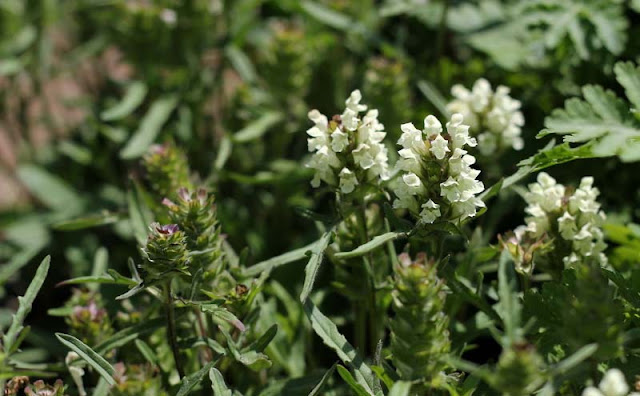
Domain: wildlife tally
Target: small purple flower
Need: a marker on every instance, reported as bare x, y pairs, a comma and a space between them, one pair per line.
167, 229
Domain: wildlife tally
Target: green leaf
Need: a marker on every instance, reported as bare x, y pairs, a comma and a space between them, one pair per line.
355, 386
224, 152
509, 303
9, 339
434, 96
241, 63
191, 381
89, 355
370, 246
217, 383
129, 334
50, 189
257, 128
327, 16
602, 118
150, 127
328, 332
17, 261
461, 290
261, 343
311, 270
252, 359
275, 262
139, 215
572, 361
628, 75
323, 381
89, 221
133, 97
400, 388
221, 315
147, 352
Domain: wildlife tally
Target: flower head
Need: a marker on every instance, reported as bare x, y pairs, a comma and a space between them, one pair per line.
438, 180
347, 151
493, 116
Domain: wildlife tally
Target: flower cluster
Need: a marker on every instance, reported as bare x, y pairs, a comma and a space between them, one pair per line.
437, 180
494, 117
574, 218
612, 384
348, 150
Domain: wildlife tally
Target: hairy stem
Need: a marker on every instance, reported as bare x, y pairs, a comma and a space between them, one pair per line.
171, 327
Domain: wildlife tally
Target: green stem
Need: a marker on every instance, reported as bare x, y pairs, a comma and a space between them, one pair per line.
171, 327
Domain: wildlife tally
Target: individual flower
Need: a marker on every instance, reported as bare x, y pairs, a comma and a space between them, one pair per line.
437, 180
573, 220
348, 150
612, 384
493, 116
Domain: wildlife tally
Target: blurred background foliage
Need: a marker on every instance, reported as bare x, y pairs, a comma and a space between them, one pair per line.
87, 86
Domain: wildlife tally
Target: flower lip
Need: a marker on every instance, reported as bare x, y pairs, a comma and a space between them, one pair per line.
167, 229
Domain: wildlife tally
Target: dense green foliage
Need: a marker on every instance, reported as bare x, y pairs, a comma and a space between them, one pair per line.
176, 217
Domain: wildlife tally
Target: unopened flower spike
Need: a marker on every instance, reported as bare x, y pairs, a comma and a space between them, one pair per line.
347, 151
436, 181
494, 117
165, 253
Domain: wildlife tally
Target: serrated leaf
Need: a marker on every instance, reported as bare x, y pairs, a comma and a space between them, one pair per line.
191, 381
150, 127
89, 355
602, 118
313, 265
217, 383
370, 246
133, 97
9, 339
628, 75
328, 332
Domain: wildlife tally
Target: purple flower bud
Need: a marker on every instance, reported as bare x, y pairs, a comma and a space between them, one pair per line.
168, 203
202, 196
184, 194
159, 149
167, 229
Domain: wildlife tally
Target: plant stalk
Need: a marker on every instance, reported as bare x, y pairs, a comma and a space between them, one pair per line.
171, 328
